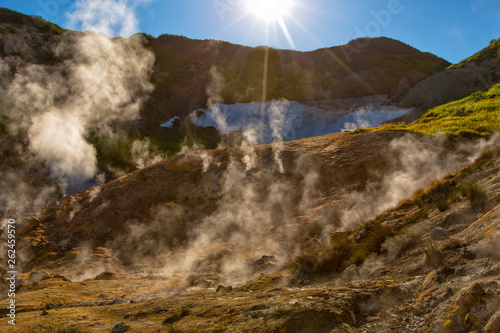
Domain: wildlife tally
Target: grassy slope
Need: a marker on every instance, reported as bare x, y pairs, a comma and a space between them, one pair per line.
487, 54
475, 116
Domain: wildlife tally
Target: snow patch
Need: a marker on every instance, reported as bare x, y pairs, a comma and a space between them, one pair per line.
170, 122
284, 121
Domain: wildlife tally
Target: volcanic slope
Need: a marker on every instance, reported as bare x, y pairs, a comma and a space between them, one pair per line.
430, 264
246, 193
148, 249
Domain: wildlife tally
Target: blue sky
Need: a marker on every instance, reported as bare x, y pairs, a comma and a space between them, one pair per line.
452, 29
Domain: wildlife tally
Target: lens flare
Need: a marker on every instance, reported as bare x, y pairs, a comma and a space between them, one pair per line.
269, 10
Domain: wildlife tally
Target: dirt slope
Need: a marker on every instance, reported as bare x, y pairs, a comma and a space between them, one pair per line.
169, 200
438, 273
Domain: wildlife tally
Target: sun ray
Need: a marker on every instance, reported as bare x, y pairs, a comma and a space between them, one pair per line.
234, 22
283, 26
343, 64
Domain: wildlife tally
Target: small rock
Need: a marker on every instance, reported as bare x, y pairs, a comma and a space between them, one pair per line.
439, 233
417, 310
470, 297
466, 299
429, 280
27, 225
222, 288
265, 263
109, 276
50, 306
58, 276
44, 313
472, 320
38, 276
120, 328
493, 324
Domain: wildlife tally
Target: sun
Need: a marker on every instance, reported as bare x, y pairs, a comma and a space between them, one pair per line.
269, 10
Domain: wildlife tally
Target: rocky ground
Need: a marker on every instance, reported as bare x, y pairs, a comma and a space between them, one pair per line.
438, 272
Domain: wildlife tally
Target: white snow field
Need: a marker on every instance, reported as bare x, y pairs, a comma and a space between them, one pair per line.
284, 121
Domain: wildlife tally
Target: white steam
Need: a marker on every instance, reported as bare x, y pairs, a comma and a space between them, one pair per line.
102, 84
144, 154
71, 159
259, 211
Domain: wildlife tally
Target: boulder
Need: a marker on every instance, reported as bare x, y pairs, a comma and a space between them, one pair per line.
439, 233
222, 289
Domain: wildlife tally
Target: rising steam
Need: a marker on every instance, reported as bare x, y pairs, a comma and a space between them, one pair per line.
102, 84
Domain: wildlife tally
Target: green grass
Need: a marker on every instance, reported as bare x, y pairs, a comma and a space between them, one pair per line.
417, 217
477, 115
477, 196
116, 153
19, 19
46, 26
489, 53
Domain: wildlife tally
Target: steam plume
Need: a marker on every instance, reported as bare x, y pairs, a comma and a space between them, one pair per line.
103, 83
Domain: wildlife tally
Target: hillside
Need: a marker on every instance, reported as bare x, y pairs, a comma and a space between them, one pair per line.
184, 68
131, 256
474, 116
43, 79
476, 73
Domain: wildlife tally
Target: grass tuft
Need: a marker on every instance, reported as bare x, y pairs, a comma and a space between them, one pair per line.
476, 195
176, 316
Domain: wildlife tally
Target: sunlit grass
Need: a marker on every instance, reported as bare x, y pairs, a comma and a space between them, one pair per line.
475, 116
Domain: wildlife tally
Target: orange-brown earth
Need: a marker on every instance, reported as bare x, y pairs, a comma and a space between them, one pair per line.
438, 271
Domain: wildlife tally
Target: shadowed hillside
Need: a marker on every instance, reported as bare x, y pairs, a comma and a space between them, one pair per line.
183, 71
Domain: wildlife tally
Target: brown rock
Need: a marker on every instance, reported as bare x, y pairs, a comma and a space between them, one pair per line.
27, 225
109, 276
493, 325
38, 276
469, 298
